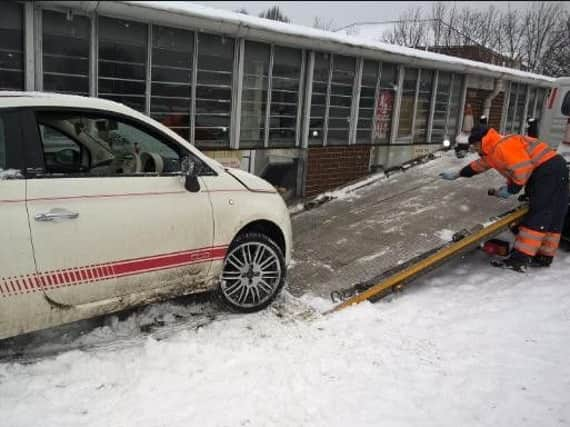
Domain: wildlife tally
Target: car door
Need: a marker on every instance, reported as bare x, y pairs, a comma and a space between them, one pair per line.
109, 213
16, 258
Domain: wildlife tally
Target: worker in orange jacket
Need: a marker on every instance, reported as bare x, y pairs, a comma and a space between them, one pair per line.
524, 161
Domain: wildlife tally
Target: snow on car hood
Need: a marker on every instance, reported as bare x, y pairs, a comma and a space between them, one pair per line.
250, 181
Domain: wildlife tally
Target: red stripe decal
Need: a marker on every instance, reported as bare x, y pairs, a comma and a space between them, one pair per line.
104, 196
93, 273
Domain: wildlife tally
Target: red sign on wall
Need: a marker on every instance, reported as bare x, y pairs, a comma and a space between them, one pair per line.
384, 106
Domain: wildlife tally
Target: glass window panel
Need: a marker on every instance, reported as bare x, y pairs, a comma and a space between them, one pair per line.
519, 111
59, 65
170, 89
67, 84
172, 47
213, 90
11, 46
441, 106
423, 106
171, 76
321, 68
216, 53
454, 106
541, 93
407, 102
254, 94
511, 108
341, 99
285, 81
122, 55
389, 77
286, 62
65, 48
136, 102
2, 145
110, 70
337, 136
366, 104
123, 87
216, 93
213, 106
385, 104
318, 98
280, 97
531, 99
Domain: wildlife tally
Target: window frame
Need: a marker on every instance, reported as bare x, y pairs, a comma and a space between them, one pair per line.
37, 167
16, 153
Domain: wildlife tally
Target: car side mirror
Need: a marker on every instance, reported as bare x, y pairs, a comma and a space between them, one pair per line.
189, 170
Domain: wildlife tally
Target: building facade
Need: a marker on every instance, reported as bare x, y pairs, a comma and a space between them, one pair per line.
305, 109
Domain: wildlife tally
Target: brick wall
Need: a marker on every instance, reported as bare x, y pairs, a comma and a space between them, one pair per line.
476, 97
330, 167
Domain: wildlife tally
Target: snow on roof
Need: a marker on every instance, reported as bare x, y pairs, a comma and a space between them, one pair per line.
200, 11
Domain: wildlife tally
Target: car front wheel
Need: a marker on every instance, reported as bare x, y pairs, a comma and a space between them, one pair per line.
254, 273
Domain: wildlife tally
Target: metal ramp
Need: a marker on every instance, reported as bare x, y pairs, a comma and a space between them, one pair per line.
466, 240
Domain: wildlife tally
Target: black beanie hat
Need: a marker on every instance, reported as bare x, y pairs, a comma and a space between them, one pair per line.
477, 134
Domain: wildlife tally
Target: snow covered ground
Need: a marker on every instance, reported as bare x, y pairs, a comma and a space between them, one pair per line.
467, 346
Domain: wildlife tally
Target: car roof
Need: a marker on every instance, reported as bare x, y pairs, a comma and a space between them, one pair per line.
12, 99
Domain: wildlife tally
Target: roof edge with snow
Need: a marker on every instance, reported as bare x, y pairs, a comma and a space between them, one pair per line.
202, 18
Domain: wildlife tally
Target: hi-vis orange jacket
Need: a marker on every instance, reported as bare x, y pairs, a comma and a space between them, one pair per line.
513, 156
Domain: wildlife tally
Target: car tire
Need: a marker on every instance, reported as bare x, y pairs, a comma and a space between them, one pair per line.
254, 273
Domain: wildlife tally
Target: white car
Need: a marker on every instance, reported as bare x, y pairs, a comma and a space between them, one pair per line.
103, 208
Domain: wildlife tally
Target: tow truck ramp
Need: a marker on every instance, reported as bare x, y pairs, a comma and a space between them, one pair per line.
395, 278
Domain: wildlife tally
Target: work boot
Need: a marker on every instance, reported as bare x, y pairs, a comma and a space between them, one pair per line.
516, 261
541, 261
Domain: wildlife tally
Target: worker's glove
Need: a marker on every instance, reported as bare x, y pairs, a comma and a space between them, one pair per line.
503, 192
449, 175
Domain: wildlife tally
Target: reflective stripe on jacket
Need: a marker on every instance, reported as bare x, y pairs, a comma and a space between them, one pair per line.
513, 156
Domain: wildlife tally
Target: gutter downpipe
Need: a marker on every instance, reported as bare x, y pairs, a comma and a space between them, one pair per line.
497, 88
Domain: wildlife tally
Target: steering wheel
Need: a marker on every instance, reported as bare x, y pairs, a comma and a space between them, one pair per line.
151, 162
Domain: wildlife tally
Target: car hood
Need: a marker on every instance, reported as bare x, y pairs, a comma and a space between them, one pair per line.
250, 181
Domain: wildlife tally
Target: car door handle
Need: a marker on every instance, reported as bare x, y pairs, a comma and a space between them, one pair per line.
55, 214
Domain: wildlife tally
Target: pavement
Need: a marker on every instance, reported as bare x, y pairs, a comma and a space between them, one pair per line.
362, 233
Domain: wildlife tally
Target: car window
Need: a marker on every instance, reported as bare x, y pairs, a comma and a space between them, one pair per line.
2, 145
566, 104
61, 153
103, 146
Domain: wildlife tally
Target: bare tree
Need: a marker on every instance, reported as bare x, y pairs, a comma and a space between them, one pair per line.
509, 36
439, 15
410, 30
537, 39
542, 32
556, 59
323, 24
274, 13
